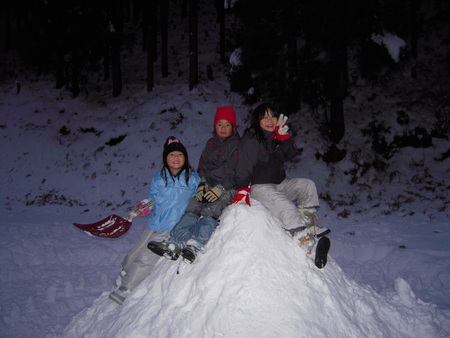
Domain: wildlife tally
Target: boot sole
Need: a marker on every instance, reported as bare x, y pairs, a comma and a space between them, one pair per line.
167, 253
188, 256
116, 298
323, 246
326, 232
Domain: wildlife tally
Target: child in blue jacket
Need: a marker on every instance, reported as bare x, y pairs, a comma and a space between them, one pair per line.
171, 189
216, 191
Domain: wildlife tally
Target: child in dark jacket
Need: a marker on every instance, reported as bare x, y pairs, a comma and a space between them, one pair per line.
215, 192
171, 189
263, 150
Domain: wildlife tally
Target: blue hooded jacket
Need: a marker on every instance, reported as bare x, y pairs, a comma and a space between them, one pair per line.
171, 199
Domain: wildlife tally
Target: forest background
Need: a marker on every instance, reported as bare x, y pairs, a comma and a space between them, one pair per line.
294, 53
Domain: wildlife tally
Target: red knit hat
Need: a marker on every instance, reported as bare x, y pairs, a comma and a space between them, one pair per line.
225, 113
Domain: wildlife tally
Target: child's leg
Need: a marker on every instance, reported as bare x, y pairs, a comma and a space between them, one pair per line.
134, 251
279, 205
204, 229
215, 209
194, 206
183, 229
300, 190
303, 193
144, 261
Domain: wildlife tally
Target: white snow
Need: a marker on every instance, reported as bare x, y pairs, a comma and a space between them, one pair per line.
392, 42
254, 281
388, 273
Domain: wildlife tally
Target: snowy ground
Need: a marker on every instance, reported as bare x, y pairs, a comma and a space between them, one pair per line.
70, 160
53, 274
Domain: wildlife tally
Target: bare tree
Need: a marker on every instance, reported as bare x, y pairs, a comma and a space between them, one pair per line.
152, 28
164, 14
221, 20
8, 32
193, 44
338, 69
116, 42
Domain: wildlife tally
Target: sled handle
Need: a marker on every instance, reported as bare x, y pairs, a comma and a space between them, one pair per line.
138, 211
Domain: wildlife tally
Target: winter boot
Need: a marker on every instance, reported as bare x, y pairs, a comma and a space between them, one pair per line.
307, 243
120, 294
312, 221
189, 254
323, 246
297, 232
119, 278
165, 249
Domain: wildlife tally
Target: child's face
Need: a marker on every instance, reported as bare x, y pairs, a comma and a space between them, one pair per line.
268, 122
223, 128
175, 161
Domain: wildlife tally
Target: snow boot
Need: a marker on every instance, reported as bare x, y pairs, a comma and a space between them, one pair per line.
119, 278
119, 295
189, 254
165, 249
302, 231
307, 242
294, 232
312, 221
323, 246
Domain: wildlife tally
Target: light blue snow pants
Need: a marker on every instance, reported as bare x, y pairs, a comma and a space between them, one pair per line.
284, 200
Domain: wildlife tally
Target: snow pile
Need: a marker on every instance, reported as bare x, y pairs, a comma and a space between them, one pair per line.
254, 281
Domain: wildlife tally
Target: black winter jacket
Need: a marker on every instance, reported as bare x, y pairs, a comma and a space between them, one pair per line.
217, 163
259, 163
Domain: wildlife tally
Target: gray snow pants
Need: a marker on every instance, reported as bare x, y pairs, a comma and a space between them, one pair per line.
285, 200
140, 261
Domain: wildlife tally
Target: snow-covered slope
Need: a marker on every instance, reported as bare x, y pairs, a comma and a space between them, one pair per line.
70, 160
254, 281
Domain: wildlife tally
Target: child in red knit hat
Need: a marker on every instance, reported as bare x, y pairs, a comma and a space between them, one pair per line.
215, 192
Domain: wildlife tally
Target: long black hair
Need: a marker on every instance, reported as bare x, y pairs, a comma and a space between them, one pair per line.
257, 115
173, 144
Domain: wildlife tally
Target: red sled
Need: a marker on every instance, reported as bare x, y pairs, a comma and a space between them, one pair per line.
112, 226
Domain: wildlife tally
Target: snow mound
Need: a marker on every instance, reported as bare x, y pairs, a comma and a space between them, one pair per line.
249, 266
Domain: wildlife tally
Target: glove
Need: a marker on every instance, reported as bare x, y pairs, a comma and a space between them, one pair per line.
144, 212
280, 132
202, 188
213, 194
242, 196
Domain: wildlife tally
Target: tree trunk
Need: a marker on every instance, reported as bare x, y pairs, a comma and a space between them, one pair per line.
59, 74
75, 74
106, 59
116, 42
164, 14
289, 26
151, 43
193, 44
338, 70
221, 21
8, 31
413, 35
137, 6
184, 9
146, 9
115, 63
150, 71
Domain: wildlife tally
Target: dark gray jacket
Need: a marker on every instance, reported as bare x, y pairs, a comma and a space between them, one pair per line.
260, 163
217, 163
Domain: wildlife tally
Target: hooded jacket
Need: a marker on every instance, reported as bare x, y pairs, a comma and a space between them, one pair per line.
171, 199
260, 163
